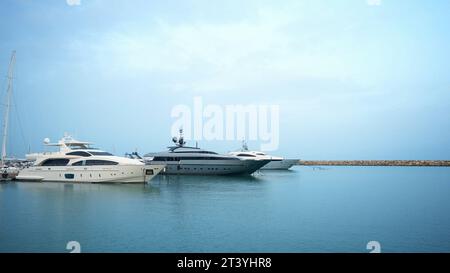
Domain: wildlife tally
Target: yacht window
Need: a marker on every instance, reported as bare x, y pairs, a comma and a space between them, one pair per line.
100, 153
100, 162
163, 158
260, 153
196, 152
247, 155
209, 158
55, 162
78, 163
79, 153
77, 146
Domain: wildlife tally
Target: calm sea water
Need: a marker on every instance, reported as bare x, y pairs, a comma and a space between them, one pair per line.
337, 209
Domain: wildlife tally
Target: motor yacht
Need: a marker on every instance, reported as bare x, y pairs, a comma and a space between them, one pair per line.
276, 162
77, 161
181, 159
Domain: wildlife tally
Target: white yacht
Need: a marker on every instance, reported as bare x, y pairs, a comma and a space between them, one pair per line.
276, 162
76, 161
181, 159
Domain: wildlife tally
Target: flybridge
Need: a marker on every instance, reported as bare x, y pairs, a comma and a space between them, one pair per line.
67, 140
69, 143
65, 144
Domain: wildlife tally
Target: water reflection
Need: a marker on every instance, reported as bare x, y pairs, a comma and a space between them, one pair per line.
78, 187
340, 209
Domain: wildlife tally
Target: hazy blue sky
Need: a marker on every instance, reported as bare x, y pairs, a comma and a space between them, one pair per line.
353, 80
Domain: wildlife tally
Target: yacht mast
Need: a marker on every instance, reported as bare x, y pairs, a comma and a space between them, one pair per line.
8, 106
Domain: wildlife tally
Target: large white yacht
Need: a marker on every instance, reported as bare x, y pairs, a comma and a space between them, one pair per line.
180, 159
276, 162
77, 161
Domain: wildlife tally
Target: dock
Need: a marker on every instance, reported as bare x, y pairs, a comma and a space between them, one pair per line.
409, 163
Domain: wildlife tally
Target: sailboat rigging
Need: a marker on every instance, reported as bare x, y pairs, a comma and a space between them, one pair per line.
8, 172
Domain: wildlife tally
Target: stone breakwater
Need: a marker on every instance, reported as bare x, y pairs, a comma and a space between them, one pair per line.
412, 163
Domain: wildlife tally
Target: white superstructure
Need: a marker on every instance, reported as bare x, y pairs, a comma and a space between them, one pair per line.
76, 161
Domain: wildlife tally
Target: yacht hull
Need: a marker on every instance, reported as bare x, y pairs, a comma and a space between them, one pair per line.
284, 164
210, 167
91, 174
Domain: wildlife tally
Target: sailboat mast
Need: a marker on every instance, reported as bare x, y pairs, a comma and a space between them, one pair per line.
8, 105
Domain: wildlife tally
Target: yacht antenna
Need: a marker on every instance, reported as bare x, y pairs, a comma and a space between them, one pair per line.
244, 146
181, 141
8, 105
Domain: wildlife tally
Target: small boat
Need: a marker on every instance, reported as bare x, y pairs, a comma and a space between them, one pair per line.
276, 162
181, 159
77, 161
8, 173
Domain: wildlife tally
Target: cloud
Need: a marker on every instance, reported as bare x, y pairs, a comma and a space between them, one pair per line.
73, 2
287, 50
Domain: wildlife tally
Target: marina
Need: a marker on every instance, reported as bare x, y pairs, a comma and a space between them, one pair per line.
77, 162
233, 129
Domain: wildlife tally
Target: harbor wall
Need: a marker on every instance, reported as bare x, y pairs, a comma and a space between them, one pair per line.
412, 163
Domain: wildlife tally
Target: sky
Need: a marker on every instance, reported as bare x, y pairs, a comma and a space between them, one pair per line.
355, 79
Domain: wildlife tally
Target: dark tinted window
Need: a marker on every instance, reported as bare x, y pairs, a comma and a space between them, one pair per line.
100, 162
226, 158
79, 153
209, 158
163, 158
100, 153
196, 152
55, 162
247, 155
78, 163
